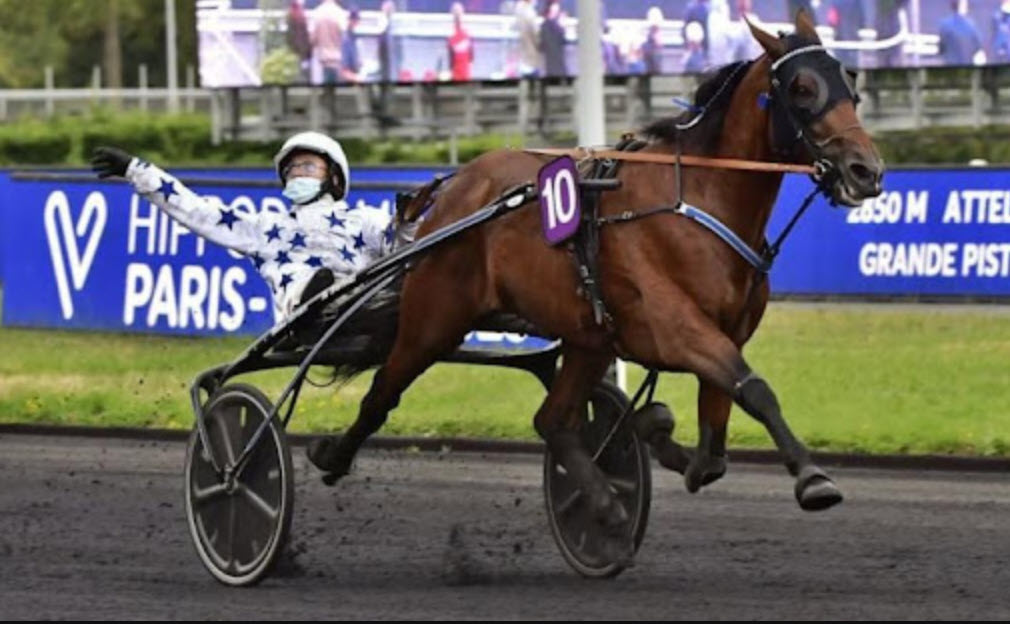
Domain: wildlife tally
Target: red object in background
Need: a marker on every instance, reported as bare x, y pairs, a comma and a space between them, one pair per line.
834, 18
460, 54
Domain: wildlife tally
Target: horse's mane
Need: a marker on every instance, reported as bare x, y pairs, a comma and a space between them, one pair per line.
713, 97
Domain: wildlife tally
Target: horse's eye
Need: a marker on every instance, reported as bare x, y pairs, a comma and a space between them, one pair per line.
804, 93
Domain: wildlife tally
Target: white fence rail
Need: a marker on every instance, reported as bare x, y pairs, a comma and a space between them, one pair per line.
15, 103
892, 100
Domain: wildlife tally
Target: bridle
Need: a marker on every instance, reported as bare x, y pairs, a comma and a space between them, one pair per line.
791, 123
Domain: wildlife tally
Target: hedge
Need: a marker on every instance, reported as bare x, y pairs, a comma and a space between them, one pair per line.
184, 139
940, 146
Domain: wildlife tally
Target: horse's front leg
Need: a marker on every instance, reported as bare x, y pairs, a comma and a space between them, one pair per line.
697, 345
655, 425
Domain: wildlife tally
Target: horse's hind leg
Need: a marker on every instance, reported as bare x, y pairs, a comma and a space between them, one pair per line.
558, 421
708, 464
419, 344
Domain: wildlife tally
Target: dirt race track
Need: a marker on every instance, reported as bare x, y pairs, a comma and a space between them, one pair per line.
93, 529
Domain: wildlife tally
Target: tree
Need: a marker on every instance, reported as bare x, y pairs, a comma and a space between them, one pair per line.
72, 36
29, 40
113, 49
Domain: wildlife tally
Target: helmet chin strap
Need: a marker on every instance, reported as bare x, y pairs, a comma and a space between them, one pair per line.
335, 190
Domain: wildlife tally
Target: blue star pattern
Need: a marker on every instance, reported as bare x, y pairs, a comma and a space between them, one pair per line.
167, 188
359, 241
389, 234
286, 248
228, 218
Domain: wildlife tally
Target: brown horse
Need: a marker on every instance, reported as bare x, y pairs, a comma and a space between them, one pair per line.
680, 298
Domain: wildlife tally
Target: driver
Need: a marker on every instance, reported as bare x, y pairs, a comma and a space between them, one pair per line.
299, 253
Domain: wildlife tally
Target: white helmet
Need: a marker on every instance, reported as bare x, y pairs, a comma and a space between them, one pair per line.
320, 144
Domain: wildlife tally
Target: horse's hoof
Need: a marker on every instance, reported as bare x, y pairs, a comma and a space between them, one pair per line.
330, 478
320, 452
614, 515
325, 455
654, 424
618, 550
716, 470
815, 491
654, 419
702, 471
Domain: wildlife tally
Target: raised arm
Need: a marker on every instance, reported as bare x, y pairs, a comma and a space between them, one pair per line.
205, 216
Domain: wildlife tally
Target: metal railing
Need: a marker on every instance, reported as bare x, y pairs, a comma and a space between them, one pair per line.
16, 103
892, 99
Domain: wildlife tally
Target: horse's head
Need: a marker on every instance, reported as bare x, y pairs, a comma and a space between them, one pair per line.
813, 106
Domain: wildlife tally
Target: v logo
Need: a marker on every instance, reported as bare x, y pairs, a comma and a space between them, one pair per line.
61, 232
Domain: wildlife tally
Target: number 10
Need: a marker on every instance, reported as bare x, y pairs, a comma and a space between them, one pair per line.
560, 207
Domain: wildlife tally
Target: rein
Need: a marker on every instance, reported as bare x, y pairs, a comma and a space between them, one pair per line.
762, 261
590, 153
822, 171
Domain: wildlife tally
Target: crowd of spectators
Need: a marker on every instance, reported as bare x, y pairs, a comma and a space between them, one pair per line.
715, 32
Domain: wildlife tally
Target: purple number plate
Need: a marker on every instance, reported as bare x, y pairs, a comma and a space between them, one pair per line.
560, 205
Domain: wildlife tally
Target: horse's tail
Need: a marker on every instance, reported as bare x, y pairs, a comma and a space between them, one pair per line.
366, 339
413, 205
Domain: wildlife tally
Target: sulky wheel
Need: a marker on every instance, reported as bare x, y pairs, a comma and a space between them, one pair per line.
625, 461
239, 526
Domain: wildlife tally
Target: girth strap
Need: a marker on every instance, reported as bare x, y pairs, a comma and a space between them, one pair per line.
585, 246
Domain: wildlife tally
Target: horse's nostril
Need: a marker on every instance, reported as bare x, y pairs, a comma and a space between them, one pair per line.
862, 173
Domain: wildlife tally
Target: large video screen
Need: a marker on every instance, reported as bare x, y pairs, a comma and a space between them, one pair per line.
259, 42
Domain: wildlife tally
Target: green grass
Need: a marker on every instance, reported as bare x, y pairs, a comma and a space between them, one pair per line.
878, 379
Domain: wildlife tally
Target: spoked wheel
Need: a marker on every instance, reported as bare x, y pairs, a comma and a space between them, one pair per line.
625, 461
239, 525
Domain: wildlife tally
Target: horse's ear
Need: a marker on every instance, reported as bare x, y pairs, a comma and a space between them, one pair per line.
805, 26
774, 46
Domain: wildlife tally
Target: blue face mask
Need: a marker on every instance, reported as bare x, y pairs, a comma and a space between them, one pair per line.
302, 190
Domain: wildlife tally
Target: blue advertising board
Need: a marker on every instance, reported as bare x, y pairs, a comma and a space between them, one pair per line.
932, 233
84, 254
89, 255
10, 200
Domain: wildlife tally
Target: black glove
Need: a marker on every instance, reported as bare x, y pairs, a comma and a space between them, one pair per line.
110, 161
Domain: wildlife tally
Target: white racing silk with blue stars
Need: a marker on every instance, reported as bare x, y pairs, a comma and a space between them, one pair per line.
286, 249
